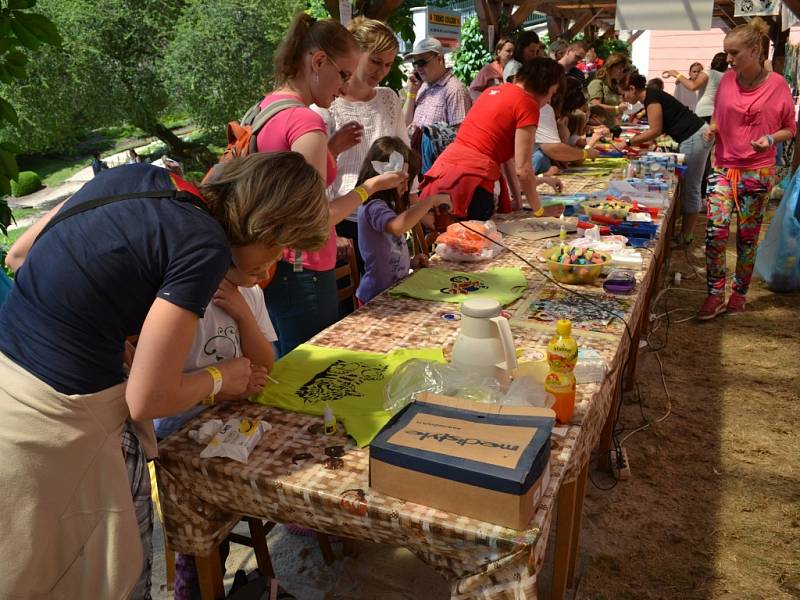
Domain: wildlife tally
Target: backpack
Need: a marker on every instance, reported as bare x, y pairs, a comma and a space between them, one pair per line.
242, 136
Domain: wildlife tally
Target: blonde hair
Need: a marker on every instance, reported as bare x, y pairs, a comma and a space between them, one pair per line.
754, 33
306, 34
617, 58
270, 198
373, 36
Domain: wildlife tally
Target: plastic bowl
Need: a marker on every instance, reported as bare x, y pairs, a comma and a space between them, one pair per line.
574, 273
595, 208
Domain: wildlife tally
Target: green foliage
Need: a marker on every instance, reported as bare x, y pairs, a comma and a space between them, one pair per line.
27, 182
471, 55
20, 31
220, 61
608, 46
317, 9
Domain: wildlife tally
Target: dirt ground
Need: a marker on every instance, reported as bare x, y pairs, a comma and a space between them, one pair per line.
712, 509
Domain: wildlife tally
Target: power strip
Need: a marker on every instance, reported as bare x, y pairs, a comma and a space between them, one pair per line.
621, 468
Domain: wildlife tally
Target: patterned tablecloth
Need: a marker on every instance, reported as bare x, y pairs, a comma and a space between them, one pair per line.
286, 478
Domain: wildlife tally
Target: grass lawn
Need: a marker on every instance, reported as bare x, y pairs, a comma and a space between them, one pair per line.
13, 235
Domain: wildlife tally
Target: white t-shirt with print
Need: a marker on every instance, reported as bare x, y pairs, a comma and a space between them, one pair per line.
217, 339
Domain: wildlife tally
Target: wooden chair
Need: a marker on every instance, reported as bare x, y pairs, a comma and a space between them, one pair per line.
348, 270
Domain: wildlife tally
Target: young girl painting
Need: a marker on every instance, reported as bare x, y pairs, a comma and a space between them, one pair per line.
385, 217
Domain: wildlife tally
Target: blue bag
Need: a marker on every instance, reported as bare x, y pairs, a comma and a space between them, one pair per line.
778, 256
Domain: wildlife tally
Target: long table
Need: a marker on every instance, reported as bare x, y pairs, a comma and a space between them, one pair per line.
286, 478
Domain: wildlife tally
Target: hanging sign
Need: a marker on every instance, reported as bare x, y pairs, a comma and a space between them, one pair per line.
757, 8
445, 26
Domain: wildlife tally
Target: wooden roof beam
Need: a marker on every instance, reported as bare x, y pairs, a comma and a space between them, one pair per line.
581, 22
524, 10
635, 36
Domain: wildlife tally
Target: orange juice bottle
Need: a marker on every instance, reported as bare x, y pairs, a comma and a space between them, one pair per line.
562, 355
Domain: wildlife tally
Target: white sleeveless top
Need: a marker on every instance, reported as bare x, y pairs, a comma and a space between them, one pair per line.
706, 96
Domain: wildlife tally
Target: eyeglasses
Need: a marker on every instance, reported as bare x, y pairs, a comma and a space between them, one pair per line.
344, 75
419, 63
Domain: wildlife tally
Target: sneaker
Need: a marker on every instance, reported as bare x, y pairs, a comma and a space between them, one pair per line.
736, 304
713, 306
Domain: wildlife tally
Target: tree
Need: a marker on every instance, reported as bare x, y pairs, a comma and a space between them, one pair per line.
18, 29
471, 55
219, 61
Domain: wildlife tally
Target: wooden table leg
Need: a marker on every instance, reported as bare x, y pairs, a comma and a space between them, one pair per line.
570, 506
209, 573
576, 529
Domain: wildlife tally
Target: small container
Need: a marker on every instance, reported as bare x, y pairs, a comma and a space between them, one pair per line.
329, 420
620, 281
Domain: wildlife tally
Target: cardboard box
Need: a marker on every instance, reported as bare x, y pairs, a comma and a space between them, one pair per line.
483, 461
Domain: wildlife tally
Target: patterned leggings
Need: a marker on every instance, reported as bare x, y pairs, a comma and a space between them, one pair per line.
752, 195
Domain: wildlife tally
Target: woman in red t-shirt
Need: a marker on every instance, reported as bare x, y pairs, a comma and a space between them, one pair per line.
500, 126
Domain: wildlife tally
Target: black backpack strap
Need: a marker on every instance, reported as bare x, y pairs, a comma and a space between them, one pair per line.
104, 200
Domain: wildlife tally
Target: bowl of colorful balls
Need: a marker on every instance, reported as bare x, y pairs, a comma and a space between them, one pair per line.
608, 207
576, 265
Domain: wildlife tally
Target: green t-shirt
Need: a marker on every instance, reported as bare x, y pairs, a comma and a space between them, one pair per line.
600, 90
503, 284
351, 382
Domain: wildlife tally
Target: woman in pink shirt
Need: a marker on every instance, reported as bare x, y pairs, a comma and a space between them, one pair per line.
492, 74
753, 111
313, 65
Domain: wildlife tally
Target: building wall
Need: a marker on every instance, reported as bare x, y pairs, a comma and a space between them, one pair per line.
679, 49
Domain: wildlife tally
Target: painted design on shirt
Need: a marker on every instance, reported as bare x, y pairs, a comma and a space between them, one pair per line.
341, 379
461, 284
224, 344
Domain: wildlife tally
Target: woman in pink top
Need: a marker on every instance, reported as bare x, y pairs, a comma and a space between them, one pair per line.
492, 74
752, 112
313, 65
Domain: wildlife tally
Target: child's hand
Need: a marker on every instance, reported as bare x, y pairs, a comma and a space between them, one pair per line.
228, 298
235, 375
258, 378
387, 181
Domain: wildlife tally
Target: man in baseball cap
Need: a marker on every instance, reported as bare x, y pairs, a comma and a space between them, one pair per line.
433, 94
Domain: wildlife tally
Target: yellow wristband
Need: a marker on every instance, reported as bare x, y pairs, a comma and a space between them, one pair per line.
362, 193
585, 154
216, 375
539, 212
679, 76
411, 95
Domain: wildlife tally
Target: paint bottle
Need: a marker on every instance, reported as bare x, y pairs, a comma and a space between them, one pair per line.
329, 420
562, 356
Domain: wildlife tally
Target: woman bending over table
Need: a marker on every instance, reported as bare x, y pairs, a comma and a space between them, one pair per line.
139, 251
313, 65
500, 126
753, 111
666, 115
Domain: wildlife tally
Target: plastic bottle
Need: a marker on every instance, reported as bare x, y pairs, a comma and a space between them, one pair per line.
562, 355
329, 420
